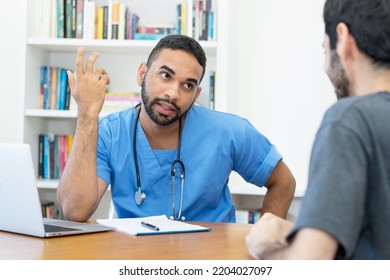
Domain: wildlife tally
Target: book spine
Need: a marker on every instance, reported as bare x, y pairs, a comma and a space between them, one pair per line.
43, 87
128, 24
53, 92
51, 156
183, 18
105, 22
74, 18
68, 95
63, 89
178, 24
47, 95
109, 20
56, 157
58, 89
46, 157
134, 25
212, 90
60, 19
147, 36
115, 20
79, 18
40, 156
68, 19
122, 22
99, 23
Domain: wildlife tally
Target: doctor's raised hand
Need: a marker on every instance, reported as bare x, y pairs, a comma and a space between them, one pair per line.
80, 190
88, 86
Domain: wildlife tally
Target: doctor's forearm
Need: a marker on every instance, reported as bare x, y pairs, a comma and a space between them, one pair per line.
278, 199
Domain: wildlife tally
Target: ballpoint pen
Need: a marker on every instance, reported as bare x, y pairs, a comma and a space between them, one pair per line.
149, 226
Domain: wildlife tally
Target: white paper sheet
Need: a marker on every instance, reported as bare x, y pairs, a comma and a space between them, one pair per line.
133, 225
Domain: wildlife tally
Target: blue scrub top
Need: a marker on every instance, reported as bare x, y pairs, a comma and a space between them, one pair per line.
213, 144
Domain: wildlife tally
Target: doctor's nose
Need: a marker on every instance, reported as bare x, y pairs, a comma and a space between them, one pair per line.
173, 91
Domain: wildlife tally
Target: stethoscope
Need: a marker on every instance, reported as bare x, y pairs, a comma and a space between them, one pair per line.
140, 196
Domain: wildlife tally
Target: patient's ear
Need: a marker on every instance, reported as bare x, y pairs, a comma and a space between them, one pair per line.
346, 44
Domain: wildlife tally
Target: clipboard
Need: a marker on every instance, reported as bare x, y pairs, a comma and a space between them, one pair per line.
133, 226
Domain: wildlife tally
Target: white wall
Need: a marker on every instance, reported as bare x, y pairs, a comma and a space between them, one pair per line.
12, 51
276, 76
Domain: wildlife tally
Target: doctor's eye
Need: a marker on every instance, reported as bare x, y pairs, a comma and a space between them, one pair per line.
165, 75
189, 86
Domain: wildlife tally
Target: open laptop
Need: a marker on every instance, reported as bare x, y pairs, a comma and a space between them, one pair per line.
20, 208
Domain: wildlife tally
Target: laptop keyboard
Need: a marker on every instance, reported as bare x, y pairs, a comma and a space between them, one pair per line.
52, 228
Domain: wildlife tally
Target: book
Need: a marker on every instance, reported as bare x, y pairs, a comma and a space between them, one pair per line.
147, 36
47, 92
133, 225
53, 153
43, 87
79, 18
68, 18
183, 20
115, 20
46, 157
40, 156
120, 101
73, 19
60, 19
99, 22
212, 90
42, 16
89, 18
63, 86
178, 20
53, 92
248, 216
122, 22
105, 22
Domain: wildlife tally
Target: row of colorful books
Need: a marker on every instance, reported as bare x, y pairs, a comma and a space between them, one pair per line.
203, 16
50, 210
248, 216
53, 152
207, 96
120, 101
54, 89
85, 19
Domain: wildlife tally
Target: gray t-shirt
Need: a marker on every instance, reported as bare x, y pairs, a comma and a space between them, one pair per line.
348, 193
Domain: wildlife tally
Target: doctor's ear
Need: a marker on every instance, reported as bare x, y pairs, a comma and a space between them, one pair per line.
142, 69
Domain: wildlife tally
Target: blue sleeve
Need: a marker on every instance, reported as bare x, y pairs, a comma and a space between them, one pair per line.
103, 148
255, 157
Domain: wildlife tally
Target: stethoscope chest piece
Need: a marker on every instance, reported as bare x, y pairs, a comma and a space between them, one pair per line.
139, 197
182, 218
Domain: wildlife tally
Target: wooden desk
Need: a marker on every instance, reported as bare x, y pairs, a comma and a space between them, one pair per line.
223, 242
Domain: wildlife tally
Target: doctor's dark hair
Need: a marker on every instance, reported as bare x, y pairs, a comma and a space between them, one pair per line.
368, 22
179, 42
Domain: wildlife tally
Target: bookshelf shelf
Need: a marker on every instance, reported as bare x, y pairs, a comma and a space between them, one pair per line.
252, 190
50, 113
105, 46
47, 184
66, 114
